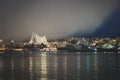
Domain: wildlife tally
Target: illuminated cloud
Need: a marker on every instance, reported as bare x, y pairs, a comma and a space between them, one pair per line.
53, 18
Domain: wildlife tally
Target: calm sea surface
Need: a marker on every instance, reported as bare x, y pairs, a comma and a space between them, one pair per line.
59, 66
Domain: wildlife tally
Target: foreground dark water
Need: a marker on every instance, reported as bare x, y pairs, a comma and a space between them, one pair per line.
60, 66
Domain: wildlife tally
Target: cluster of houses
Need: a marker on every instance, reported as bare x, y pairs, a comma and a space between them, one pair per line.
91, 44
38, 43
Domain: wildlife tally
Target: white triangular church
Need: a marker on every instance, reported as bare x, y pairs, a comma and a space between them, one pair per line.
36, 39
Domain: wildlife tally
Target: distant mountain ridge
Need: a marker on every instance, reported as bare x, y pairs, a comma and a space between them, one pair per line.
110, 28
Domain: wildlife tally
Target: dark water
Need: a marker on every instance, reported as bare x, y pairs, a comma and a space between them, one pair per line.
60, 66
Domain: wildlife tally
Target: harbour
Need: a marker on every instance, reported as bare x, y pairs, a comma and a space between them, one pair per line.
59, 39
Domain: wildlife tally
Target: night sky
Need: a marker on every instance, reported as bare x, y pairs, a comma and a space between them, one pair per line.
59, 18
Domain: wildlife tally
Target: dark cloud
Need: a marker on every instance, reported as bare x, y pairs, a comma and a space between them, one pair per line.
53, 18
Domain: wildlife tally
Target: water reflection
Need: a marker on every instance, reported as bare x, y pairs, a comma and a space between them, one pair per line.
46, 66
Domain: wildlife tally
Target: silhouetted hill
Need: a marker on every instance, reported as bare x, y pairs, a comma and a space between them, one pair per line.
110, 28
